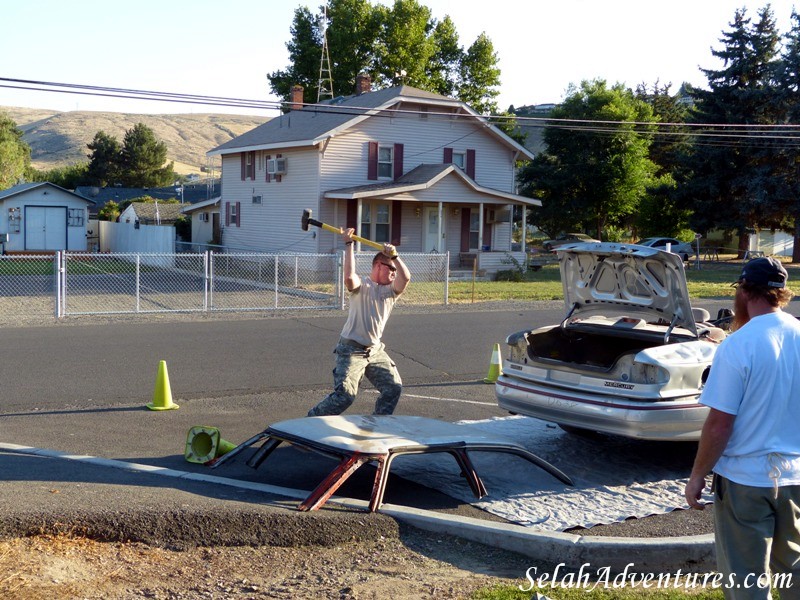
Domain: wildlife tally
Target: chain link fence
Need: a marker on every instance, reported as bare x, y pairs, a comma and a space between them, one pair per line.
69, 283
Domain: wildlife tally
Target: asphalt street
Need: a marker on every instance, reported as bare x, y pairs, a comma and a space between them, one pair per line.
82, 388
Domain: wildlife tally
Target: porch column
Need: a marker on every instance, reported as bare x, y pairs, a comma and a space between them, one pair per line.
480, 228
524, 227
358, 223
439, 232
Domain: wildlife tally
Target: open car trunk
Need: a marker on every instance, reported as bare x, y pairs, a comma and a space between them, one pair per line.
579, 349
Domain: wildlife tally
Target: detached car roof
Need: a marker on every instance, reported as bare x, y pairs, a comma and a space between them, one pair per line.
610, 279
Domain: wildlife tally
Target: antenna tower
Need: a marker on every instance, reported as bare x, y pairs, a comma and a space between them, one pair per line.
325, 83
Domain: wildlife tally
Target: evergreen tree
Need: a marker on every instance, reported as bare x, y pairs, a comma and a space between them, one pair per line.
15, 154
143, 159
731, 183
104, 160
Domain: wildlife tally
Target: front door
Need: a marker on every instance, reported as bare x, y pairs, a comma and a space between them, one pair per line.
45, 228
433, 239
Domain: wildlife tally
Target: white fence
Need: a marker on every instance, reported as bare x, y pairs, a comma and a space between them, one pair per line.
142, 239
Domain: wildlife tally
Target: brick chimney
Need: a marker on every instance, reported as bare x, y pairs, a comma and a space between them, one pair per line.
296, 98
363, 84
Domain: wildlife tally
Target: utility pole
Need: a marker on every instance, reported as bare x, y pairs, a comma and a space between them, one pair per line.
325, 83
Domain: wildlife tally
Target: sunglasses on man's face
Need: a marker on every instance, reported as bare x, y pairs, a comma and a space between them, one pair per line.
392, 268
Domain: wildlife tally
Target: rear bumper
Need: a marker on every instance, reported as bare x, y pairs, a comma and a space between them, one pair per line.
672, 420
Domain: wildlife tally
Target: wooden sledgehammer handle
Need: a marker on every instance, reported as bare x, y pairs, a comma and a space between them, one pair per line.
357, 238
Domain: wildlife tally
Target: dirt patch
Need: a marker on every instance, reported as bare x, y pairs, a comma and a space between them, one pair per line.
413, 565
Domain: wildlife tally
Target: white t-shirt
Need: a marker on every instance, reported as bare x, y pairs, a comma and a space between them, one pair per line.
756, 376
370, 307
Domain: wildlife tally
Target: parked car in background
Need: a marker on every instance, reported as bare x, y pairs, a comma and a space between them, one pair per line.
682, 249
630, 357
567, 238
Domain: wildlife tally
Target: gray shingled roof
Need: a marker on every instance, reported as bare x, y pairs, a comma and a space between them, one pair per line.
303, 127
23, 187
146, 211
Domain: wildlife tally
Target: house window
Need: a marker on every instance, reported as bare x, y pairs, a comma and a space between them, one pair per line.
376, 222
385, 162
256, 199
460, 160
75, 217
474, 230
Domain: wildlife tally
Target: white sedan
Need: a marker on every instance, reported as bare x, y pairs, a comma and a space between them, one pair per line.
631, 355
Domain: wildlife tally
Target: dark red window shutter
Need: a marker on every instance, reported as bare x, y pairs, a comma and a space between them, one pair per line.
227, 214
352, 214
238, 214
252, 173
397, 217
448, 156
269, 177
471, 163
372, 161
398, 161
465, 229
277, 177
244, 165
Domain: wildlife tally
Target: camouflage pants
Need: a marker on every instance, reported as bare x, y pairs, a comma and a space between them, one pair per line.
353, 363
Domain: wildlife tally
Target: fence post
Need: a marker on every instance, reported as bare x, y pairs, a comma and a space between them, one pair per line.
58, 283
276, 280
210, 276
446, 277
205, 281
138, 273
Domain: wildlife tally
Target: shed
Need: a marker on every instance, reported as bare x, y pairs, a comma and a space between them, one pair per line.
43, 217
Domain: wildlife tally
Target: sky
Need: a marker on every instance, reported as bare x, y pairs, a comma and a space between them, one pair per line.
227, 48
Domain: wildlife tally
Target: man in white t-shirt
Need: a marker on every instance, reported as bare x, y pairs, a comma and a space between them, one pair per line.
751, 438
360, 351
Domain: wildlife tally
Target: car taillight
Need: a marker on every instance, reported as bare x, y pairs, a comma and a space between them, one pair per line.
648, 374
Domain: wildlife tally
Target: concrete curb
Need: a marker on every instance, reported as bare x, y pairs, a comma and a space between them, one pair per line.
646, 554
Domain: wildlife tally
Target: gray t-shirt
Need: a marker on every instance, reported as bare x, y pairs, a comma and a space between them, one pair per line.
370, 307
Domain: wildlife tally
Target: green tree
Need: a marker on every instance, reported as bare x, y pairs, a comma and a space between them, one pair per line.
143, 159
732, 183
480, 76
405, 46
68, 177
15, 154
596, 168
109, 212
104, 160
661, 211
788, 159
394, 45
443, 68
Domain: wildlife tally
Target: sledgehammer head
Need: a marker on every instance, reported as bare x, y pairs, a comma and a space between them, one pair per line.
305, 218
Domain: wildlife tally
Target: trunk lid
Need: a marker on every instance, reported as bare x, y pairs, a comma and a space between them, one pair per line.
613, 280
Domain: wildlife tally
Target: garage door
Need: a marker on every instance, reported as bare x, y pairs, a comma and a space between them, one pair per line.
45, 228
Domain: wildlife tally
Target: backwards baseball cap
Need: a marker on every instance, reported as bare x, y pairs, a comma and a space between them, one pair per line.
765, 271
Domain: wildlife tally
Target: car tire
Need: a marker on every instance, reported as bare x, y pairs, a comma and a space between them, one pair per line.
579, 431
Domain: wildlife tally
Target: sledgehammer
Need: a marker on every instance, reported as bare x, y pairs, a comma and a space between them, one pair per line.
306, 220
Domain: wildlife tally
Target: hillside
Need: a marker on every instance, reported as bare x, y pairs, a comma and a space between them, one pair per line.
59, 138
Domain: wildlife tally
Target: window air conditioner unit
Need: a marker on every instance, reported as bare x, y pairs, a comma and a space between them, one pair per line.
276, 166
498, 215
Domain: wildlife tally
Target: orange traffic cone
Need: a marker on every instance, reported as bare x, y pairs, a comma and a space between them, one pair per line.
162, 396
494, 366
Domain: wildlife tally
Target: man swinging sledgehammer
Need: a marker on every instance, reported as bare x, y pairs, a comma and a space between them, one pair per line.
360, 351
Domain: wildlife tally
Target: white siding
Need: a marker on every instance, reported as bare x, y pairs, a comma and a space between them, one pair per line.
45, 196
273, 225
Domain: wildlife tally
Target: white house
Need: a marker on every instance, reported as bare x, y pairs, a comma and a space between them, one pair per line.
205, 220
422, 171
39, 217
151, 213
